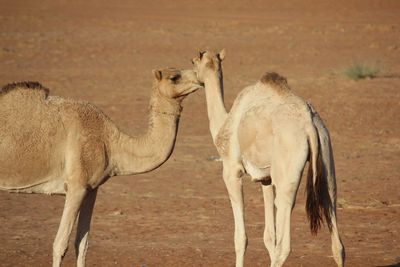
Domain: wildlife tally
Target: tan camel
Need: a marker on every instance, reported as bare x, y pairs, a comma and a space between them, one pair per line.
270, 134
52, 145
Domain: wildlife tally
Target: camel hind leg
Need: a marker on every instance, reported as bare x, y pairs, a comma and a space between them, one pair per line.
290, 156
269, 210
83, 228
337, 245
329, 170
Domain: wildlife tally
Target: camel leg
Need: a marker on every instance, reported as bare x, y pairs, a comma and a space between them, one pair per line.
235, 189
284, 202
73, 201
269, 230
328, 161
83, 228
286, 174
337, 245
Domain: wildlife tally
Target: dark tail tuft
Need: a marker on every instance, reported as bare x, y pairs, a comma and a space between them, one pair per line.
318, 204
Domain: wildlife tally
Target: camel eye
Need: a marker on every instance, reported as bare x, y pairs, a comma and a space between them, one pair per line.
175, 78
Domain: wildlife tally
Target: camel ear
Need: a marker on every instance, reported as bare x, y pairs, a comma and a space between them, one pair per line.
157, 74
201, 53
221, 55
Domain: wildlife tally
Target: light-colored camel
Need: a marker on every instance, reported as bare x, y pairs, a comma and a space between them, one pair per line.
52, 145
270, 134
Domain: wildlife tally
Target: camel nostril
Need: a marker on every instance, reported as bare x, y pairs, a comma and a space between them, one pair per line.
192, 60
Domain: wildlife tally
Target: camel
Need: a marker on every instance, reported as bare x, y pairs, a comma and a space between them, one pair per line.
52, 145
270, 134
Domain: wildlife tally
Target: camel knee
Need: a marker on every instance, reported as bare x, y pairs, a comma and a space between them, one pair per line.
269, 239
284, 201
285, 197
240, 244
59, 250
269, 242
282, 253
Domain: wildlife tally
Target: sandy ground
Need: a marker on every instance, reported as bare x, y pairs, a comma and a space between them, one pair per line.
179, 214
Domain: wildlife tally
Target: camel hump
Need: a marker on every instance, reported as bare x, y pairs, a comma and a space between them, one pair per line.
24, 85
275, 81
273, 78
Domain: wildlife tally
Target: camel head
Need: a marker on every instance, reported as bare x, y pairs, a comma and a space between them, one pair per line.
176, 84
208, 63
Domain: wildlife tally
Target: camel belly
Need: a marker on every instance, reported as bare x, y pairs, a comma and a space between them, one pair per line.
52, 185
28, 160
44, 174
26, 166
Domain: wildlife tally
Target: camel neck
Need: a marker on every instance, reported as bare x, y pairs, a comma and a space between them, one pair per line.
215, 103
147, 152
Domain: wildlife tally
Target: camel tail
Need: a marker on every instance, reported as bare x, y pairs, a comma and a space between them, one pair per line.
314, 147
318, 204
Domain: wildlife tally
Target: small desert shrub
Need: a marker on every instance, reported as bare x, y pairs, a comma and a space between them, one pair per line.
361, 70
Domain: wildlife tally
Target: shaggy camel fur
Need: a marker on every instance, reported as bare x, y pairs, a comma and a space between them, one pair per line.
270, 134
52, 145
